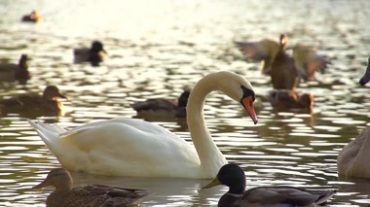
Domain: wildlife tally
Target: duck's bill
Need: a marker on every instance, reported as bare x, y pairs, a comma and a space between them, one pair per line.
247, 103
213, 183
366, 78
62, 96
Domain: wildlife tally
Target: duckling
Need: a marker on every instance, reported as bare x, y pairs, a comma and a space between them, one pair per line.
95, 55
87, 196
12, 72
354, 159
163, 107
233, 176
290, 99
366, 77
44, 104
282, 71
264, 50
307, 61
33, 17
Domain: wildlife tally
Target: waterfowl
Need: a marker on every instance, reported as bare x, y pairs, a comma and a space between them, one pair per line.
13, 72
264, 50
46, 103
95, 55
233, 176
307, 61
353, 160
163, 107
33, 17
366, 77
136, 148
282, 71
290, 99
87, 196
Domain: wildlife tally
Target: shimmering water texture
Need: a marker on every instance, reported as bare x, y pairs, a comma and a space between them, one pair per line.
156, 49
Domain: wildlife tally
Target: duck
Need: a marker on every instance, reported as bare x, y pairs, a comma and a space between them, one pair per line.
33, 17
307, 61
95, 55
264, 50
163, 107
366, 77
15, 72
47, 103
136, 148
285, 70
87, 196
290, 99
353, 160
233, 177
282, 71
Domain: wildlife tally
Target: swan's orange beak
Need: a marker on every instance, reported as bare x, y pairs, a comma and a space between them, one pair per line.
247, 103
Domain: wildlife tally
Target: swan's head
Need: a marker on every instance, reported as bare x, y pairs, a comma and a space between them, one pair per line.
239, 89
59, 178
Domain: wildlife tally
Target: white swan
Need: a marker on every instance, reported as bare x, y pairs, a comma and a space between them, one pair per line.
131, 147
354, 159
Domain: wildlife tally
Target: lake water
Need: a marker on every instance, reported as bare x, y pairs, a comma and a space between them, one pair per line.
156, 48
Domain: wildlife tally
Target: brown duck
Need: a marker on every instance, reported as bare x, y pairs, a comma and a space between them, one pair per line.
34, 17
88, 196
163, 107
284, 69
11, 72
290, 99
95, 55
46, 103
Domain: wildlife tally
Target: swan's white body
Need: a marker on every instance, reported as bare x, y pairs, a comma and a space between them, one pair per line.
354, 159
131, 147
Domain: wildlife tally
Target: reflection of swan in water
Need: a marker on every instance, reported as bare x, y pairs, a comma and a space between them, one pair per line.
130, 147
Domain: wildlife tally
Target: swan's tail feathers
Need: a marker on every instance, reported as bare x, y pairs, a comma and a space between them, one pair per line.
48, 132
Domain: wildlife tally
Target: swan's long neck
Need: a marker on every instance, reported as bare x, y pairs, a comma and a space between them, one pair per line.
210, 156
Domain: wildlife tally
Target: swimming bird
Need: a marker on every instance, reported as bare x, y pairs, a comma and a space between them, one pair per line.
366, 77
285, 70
133, 147
282, 71
47, 103
65, 195
33, 17
354, 159
307, 61
163, 107
233, 177
290, 99
11, 72
95, 55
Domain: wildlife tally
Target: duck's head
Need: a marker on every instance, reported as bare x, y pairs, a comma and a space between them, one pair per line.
366, 78
60, 178
97, 46
307, 100
52, 92
183, 99
230, 175
283, 41
23, 61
